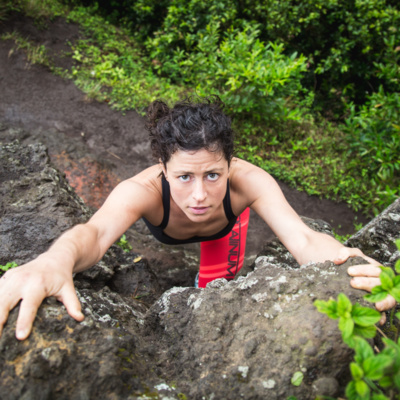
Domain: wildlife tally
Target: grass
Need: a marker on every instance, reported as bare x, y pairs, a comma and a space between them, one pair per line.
36, 54
309, 156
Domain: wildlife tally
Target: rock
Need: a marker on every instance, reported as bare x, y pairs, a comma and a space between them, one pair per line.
377, 238
36, 203
326, 386
249, 336
99, 357
240, 339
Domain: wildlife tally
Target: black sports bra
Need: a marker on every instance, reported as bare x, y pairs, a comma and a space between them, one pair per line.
158, 231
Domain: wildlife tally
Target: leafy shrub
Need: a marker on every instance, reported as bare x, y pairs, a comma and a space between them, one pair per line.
341, 40
373, 134
253, 79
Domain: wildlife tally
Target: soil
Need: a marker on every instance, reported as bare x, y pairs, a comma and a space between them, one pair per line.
95, 146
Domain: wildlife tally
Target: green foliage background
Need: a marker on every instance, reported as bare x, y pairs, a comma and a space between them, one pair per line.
312, 85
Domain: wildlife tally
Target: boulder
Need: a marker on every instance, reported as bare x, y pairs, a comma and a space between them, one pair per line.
247, 338
64, 359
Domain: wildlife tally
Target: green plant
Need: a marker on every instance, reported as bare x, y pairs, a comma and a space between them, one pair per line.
252, 77
110, 66
124, 244
372, 133
9, 265
375, 376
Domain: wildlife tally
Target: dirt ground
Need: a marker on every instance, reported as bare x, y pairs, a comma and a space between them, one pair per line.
96, 146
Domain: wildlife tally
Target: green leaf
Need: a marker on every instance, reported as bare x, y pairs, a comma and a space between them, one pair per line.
362, 388
363, 350
392, 348
386, 281
351, 390
396, 380
377, 294
367, 332
374, 366
375, 298
395, 292
386, 382
356, 371
8, 266
346, 325
388, 271
297, 378
397, 266
396, 281
364, 316
327, 307
379, 396
344, 306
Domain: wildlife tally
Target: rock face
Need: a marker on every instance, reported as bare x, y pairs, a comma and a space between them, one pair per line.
243, 339
246, 338
377, 239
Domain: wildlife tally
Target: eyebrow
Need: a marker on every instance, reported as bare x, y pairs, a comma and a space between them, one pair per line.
206, 172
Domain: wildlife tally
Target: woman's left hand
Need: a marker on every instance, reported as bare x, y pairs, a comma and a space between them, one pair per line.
365, 276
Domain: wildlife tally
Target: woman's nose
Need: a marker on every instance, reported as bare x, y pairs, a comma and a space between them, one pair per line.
199, 191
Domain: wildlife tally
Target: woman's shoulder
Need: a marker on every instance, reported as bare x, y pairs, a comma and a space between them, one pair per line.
142, 189
242, 172
248, 183
149, 178
140, 195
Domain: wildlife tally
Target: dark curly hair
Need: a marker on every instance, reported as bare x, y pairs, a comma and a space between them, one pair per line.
190, 125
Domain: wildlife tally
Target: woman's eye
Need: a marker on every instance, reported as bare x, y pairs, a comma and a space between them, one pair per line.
213, 177
184, 178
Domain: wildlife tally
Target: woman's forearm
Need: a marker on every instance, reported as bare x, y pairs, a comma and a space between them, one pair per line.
319, 247
77, 248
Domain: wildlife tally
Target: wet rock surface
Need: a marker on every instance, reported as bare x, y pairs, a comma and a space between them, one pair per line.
243, 339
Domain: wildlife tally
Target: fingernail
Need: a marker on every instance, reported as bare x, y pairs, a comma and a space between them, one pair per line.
351, 271
21, 334
356, 283
79, 315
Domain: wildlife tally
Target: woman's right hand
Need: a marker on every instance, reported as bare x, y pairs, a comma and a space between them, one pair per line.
32, 283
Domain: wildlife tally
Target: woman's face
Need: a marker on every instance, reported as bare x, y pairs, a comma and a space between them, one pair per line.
198, 182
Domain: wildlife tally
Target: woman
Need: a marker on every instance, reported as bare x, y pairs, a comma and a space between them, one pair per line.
197, 192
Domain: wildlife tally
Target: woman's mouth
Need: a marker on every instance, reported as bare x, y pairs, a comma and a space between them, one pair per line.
198, 210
